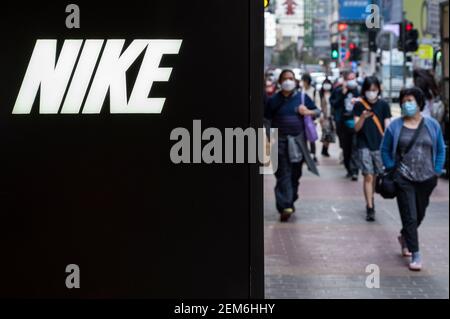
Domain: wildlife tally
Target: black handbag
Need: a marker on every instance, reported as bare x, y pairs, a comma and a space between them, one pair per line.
385, 182
385, 185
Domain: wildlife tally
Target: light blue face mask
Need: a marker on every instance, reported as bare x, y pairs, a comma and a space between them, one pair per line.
409, 109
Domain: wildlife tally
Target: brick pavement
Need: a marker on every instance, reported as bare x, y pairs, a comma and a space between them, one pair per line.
324, 250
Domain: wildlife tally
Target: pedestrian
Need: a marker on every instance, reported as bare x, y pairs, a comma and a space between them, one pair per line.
286, 110
310, 91
327, 125
340, 80
270, 88
338, 83
434, 107
413, 147
342, 101
372, 116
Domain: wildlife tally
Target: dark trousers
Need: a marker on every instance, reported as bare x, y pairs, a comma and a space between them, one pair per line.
288, 178
412, 200
312, 148
347, 138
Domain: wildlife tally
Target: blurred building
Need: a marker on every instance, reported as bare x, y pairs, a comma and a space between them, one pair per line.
322, 18
308, 24
425, 15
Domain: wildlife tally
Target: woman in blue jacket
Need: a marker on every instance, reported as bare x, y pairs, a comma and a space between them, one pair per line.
416, 171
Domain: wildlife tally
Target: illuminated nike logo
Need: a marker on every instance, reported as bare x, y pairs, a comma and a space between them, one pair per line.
52, 78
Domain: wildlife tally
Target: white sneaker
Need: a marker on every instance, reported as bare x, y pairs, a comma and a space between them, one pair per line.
416, 262
415, 266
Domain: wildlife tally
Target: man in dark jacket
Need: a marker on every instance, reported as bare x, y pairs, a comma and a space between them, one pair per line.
342, 102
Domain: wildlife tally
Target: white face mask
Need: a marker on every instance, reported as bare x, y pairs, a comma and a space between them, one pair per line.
372, 95
327, 87
352, 84
288, 85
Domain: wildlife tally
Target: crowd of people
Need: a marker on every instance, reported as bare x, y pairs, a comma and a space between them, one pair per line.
354, 114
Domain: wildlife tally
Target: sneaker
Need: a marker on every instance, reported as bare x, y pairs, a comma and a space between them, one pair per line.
415, 266
405, 250
370, 214
354, 177
416, 262
286, 214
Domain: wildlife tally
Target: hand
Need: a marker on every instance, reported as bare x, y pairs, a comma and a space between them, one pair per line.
303, 110
366, 114
354, 100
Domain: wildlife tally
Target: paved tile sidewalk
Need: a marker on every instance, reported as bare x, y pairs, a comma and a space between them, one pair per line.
324, 250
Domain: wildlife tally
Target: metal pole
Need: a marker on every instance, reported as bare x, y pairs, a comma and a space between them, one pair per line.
404, 47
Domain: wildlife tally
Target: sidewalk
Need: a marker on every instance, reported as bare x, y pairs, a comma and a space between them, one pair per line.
324, 249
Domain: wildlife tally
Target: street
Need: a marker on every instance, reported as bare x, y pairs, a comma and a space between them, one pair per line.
324, 249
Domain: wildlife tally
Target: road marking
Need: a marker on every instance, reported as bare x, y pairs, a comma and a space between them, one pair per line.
335, 210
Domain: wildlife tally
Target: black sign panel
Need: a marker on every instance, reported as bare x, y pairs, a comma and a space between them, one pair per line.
98, 189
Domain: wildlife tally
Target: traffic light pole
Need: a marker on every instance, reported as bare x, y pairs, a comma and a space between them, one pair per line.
404, 47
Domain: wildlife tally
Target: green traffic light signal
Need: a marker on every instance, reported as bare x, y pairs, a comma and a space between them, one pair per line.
334, 54
334, 51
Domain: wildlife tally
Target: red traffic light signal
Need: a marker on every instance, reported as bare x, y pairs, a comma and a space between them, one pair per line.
342, 27
409, 26
355, 52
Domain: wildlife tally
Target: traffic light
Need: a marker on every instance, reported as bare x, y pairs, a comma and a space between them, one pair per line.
355, 52
342, 27
334, 51
410, 35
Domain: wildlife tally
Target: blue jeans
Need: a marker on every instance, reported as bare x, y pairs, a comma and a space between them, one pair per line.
288, 178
